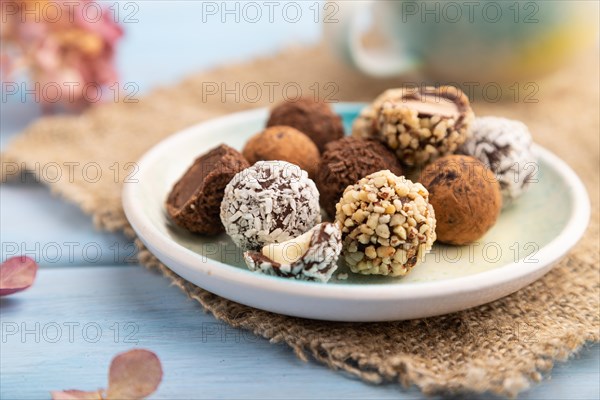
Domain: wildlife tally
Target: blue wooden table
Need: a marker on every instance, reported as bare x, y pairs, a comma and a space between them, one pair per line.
83, 309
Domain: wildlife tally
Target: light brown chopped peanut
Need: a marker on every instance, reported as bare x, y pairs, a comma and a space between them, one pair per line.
381, 236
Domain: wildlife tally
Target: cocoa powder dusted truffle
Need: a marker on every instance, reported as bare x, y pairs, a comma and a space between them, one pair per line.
504, 146
270, 202
387, 224
194, 200
283, 143
347, 160
425, 124
312, 256
313, 118
466, 198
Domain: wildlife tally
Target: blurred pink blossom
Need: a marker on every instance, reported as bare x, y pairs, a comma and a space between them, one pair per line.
59, 43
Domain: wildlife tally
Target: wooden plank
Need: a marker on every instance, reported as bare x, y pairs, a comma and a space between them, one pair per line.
53, 232
63, 332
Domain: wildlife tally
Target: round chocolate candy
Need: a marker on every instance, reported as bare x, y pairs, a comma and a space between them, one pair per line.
387, 224
504, 146
465, 196
315, 119
312, 256
194, 201
347, 160
270, 202
419, 125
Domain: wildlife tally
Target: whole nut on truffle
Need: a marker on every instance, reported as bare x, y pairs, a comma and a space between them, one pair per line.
347, 160
283, 143
466, 198
194, 200
387, 224
313, 118
504, 146
425, 123
270, 202
312, 256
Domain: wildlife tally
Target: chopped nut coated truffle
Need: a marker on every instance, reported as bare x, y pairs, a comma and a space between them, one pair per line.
466, 198
283, 143
365, 125
347, 160
270, 202
315, 119
387, 223
194, 201
418, 124
425, 124
312, 256
504, 146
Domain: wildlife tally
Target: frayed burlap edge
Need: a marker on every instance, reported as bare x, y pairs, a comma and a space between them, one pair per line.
501, 347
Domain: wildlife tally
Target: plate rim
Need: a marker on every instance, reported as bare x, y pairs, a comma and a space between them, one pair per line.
548, 255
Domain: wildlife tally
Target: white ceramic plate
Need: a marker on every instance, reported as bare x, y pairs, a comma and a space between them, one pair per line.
527, 241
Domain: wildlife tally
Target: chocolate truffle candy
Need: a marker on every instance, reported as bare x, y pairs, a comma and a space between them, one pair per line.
387, 224
313, 118
270, 202
311, 256
466, 198
425, 124
195, 199
283, 143
365, 125
347, 160
504, 146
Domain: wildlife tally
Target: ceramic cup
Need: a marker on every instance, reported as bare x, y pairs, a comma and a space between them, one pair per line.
463, 40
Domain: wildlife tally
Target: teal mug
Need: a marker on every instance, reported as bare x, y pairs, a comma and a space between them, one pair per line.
463, 41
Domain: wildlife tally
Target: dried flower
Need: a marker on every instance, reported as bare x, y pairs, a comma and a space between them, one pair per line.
17, 274
134, 374
67, 53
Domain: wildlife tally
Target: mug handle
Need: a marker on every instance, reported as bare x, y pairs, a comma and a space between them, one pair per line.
345, 35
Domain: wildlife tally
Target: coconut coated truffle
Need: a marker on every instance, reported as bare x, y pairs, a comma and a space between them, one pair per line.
313, 118
347, 160
504, 146
466, 198
312, 256
283, 143
387, 224
270, 202
194, 200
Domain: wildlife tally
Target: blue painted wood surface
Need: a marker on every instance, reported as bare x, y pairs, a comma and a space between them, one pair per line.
63, 332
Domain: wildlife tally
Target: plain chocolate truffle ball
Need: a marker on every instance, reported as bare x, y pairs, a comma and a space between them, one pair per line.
348, 160
313, 118
283, 143
466, 198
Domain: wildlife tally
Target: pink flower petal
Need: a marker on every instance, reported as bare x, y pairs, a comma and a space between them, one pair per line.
16, 274
76, 395
134, 375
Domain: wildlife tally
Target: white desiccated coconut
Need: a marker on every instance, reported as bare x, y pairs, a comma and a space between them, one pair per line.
504, 146
317, 262
270, 202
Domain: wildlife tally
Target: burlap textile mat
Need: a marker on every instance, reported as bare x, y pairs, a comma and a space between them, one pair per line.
500, 347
